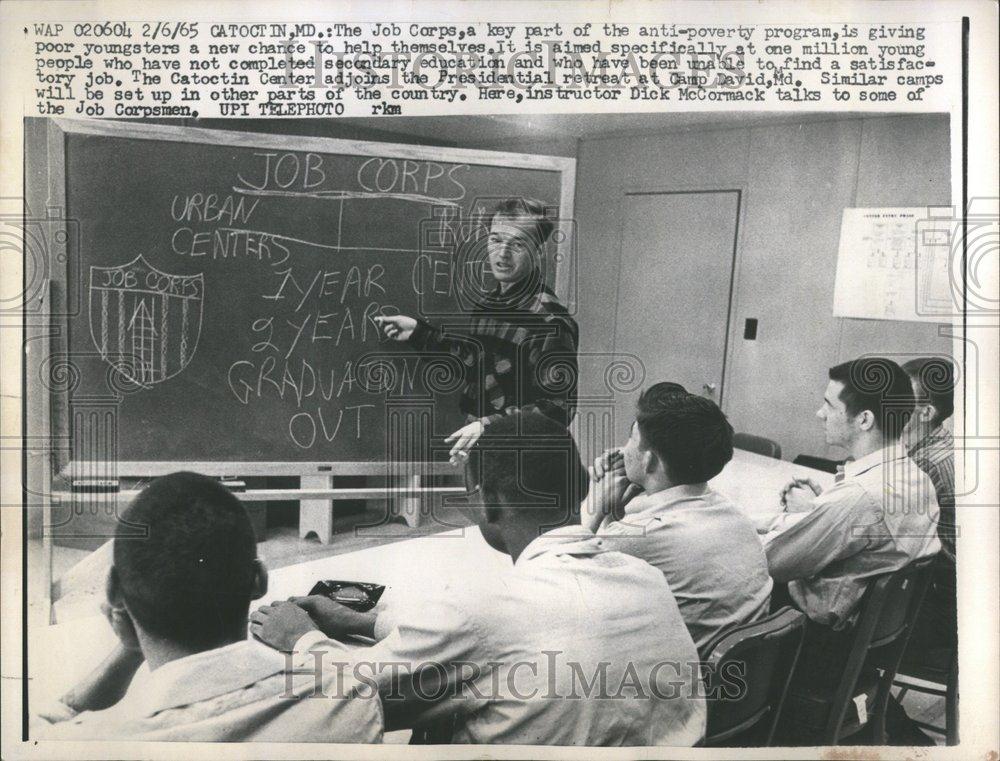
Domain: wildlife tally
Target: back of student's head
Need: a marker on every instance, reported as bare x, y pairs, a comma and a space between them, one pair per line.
934, 383
879, 385
526, 461
661, 390
191, 578
689, 433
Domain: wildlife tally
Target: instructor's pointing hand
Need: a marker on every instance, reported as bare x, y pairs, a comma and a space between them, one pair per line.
397, 327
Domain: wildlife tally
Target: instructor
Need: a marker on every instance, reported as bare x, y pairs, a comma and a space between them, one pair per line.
519, 353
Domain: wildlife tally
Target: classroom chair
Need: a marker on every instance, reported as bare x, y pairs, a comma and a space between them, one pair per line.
763, 653
826, 714
930, 661
757, 445
817, 463
436, 732
937, 675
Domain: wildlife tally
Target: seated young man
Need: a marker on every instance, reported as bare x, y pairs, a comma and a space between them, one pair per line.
178, 600
575, 645
928, 442
706, 547
879, 516
932, 447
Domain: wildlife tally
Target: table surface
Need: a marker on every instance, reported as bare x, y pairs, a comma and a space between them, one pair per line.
754, 483
62, 654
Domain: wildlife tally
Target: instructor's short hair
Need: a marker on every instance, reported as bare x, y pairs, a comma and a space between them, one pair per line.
191, 578
527, 209
689, 433
879, 385
935, 377
528, 460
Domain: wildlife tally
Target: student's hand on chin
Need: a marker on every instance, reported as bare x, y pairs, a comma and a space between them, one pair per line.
280, 625
606, 497
610, 461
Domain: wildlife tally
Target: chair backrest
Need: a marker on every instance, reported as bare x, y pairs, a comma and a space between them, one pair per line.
757, 444
746, 671
885, 620
817, 463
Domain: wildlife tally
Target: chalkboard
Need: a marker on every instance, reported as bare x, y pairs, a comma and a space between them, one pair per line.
227, 284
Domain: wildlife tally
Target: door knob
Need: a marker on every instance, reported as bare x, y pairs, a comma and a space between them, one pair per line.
709, 388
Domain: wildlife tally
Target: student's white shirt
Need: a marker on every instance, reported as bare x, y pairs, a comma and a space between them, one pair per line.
879, 517
707, 549
527, 640
242, 692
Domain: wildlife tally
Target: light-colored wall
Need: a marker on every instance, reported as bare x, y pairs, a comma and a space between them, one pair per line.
796, 180
567, 146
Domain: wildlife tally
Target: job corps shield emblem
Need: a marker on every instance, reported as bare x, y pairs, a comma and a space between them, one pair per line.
143, 321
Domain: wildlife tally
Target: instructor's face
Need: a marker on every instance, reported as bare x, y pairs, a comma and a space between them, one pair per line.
512, 252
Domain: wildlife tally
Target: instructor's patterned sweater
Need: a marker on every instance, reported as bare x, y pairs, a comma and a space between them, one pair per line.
518, 353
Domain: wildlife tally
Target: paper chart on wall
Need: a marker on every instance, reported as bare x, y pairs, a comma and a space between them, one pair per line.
897, 264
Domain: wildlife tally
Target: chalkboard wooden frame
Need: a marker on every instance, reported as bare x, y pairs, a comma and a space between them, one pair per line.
58, 130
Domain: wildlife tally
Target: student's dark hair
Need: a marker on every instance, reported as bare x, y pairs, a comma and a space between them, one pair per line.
880, 385
662, 389
527, 460
935, 377
191, 578
689, 433
531, 208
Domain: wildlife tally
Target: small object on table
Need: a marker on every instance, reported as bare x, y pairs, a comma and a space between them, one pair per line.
356, 595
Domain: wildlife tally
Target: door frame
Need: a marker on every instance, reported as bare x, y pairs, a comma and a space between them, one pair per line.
742, 200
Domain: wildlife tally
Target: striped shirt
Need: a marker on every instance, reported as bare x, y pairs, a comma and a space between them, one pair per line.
934, 454
518, 352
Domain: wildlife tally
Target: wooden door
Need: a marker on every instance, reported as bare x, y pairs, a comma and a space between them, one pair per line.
675, 288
